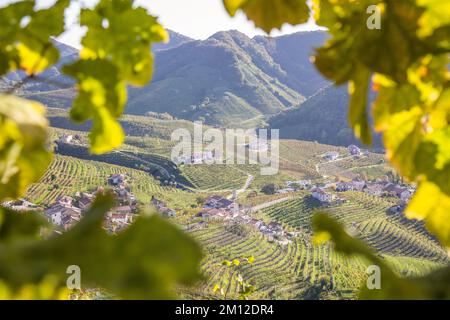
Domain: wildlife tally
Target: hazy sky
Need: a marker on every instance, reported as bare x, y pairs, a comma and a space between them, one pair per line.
197, 19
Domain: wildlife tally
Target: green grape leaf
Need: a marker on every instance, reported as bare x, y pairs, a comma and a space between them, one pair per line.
24, 156
431, 204
270, 14
358, 117
143, 261
122, 34
16, 225
101, 97
402, 139
34, 48
436, 16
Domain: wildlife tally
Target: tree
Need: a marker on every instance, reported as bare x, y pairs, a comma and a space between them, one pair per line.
269, 189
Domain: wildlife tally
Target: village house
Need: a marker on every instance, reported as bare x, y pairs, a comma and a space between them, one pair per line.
358, 184
302, 184
218, 202
213, 213
322, 195
167, 212
119, 218
64, 201
354, 150
344, 186
85, 200
66, 138
276, 228
375, 189
21, 205
197, 158
330, 156
62, 215
116, 179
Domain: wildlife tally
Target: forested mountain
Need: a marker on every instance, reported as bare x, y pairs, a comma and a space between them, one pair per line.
323, 117
230, 78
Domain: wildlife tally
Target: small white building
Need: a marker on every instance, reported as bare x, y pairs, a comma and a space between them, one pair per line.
322, 195
332, 155
66, 138
354, 150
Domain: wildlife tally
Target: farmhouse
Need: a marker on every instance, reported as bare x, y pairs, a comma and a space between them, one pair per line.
65, 138
85, 200
303, 184
62, 216
358, 185
330, 156
321, 195
21, 205
64, 200
344, 186
116, 179
354, 150
218, 202
167, 212
196, 158
375, 189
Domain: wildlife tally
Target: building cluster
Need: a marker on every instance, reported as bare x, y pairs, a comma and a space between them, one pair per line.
220, 208
198, 158
378, 188
353, 150
21, 205
292, 186
66, 210
162, 207
70, 139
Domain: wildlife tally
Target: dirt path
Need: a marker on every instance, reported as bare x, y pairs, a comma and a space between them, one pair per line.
270, 203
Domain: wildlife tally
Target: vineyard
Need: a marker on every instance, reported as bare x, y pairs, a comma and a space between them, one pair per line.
68, 175
284, 272
296, 269
367, 216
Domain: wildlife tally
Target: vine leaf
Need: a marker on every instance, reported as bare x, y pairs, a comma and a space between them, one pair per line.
431, 204
358, 117
24, 155
270, 14
27, 45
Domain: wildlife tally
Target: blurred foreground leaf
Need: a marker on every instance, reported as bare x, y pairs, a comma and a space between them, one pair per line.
143, 262
23, 152
270, 14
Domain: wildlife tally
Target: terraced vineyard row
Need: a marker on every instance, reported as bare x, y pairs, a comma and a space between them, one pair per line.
367, 216
283, 272
68, 175
214, 177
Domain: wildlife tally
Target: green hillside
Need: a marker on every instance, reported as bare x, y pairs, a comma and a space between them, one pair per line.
323, 118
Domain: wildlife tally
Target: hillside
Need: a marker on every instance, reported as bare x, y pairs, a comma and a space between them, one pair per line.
225, 79
323, 118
